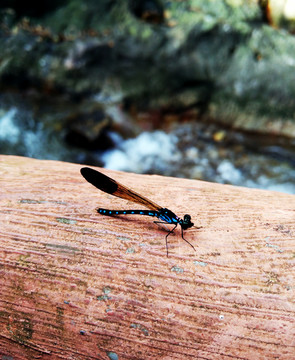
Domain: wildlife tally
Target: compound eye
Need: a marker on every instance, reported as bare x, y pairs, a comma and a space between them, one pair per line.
187, 218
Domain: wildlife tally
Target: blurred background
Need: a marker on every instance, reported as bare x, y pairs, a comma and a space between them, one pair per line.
196, 89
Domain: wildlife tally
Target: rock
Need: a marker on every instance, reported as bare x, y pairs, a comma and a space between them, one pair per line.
221, 60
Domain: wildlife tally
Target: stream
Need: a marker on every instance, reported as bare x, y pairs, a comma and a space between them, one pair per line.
191, 150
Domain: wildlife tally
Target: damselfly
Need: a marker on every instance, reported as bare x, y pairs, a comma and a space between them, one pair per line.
111, 186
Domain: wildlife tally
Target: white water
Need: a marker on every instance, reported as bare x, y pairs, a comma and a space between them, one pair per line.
151, 152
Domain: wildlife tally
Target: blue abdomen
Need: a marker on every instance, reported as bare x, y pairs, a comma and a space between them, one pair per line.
127, 212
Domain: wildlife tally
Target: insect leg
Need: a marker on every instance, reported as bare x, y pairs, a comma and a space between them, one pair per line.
186, 240
162, 225
168, 233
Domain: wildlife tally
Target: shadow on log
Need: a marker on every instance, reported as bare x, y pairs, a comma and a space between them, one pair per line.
78, 285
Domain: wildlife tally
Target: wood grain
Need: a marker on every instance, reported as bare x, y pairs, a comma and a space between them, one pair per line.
78, 285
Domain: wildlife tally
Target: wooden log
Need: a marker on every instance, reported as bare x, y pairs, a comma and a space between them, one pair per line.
78, 285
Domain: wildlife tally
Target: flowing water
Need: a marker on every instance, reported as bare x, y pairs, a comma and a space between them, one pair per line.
190, 150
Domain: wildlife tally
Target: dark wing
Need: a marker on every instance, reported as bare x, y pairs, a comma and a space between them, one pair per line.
111, 186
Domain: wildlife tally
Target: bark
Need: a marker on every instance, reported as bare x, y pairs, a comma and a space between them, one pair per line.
79, 285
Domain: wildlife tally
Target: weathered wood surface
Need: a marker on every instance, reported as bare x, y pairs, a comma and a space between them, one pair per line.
78, 285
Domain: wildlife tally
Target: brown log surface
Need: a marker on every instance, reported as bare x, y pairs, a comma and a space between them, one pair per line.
78, 285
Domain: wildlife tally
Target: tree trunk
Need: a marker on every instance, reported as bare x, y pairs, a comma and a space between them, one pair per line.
78, 285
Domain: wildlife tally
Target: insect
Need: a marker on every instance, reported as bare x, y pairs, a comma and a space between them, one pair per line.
111, 186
